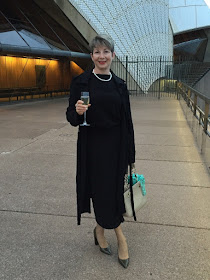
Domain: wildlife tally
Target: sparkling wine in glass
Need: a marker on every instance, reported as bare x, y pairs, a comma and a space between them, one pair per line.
85, 97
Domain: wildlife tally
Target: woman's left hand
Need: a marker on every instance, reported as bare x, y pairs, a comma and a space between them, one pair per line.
81, 108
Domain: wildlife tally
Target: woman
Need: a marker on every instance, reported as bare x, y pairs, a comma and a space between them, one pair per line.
106, 147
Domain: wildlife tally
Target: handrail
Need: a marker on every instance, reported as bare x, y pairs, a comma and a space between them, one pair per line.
198, 93
203, 117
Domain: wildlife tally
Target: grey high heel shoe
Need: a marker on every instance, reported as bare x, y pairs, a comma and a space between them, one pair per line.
103, 250
124, 263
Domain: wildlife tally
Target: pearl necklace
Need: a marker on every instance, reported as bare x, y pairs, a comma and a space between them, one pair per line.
103, 80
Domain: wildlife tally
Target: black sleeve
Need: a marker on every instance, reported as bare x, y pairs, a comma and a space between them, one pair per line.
71, 114
131, 138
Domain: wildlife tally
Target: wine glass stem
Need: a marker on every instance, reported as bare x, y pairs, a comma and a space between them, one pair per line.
85, 116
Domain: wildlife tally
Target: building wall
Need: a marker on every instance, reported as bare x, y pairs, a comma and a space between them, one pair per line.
16, 72
75, 69
204, 85
207, 53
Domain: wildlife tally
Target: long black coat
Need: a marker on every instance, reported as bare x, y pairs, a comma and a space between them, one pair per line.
127, 146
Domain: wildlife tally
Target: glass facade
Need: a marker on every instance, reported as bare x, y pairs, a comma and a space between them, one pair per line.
29, 38
25, 24
24, 38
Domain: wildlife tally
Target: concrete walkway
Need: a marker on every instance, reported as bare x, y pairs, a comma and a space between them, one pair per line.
39, 237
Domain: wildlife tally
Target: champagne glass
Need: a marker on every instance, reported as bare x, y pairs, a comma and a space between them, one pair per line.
86, 99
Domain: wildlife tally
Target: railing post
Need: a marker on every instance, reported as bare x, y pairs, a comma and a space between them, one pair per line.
195, 104
179, 68
205, 128
200, 118
188, 97
126, 74
137, 74
177, 90
159, 77
206, 112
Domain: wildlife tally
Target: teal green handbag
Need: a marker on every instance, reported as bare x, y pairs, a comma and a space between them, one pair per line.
138, 178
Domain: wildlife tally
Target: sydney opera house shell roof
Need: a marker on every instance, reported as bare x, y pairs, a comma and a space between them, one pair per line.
138, 27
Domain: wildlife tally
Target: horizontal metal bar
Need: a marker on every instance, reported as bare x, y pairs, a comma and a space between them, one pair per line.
23, 50
203, 118
198, 93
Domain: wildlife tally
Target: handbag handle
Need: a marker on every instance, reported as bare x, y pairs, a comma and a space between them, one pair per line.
132, 166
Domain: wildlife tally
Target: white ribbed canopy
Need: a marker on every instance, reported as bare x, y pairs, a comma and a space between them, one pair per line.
138, 27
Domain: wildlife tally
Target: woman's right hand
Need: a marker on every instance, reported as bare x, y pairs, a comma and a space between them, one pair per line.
80, 108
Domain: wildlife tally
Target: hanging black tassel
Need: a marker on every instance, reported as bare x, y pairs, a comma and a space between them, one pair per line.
131, 189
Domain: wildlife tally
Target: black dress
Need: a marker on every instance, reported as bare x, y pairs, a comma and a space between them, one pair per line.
103, 148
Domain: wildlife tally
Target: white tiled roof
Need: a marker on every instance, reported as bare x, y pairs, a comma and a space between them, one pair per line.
138, 27
188, 15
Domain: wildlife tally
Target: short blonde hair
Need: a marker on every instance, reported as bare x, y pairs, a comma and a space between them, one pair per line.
102, 40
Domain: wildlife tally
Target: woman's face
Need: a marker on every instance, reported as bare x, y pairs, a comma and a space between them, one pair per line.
102, 58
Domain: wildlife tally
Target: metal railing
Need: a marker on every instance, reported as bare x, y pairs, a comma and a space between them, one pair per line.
23, 94
192, 96
158, 76
146, 76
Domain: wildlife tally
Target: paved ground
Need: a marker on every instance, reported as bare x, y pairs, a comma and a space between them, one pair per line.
39, 237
